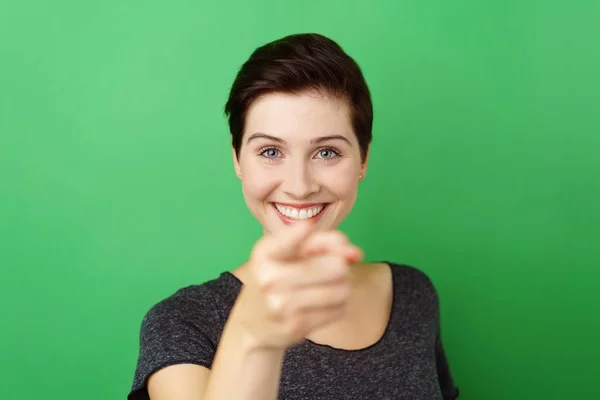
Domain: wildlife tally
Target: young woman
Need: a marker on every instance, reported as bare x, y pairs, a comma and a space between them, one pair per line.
305, 317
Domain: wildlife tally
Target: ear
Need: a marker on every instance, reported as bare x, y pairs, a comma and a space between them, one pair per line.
236, 163
363, 167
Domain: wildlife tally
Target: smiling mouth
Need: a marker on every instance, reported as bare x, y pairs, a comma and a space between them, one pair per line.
300, 214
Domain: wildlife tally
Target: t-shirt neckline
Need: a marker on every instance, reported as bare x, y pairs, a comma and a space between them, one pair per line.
326, 347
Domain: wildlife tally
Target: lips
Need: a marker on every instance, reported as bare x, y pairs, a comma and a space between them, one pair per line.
290, 213
300, 212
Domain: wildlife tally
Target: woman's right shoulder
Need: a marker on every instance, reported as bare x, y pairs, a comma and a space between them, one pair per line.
206, 303
184, 328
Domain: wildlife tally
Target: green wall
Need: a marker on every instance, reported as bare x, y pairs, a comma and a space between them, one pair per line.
117, 186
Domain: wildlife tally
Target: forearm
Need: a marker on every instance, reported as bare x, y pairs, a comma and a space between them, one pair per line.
241, 370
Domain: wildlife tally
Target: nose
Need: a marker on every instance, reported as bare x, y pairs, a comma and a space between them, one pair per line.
299, 181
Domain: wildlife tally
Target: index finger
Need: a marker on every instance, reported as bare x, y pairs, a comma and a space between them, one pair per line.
287, 243
330, 242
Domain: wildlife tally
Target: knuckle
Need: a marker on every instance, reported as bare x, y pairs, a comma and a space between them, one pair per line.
339, 237
267, 275
262, 249
264, 280
276, 305
258, 250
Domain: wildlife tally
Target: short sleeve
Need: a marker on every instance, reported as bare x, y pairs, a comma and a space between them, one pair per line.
447, 386
168, 336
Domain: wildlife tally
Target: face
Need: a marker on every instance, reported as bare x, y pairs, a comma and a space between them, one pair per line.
299, 159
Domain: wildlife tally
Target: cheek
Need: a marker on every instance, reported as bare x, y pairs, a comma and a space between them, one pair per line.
346, 189
257, 183
342, 182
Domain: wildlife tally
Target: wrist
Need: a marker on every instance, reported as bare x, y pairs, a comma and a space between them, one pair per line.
250, 342
253, 346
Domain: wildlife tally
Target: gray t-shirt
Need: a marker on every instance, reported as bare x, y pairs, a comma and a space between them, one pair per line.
408, 362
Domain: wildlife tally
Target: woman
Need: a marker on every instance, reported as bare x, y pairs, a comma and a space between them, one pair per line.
304, 318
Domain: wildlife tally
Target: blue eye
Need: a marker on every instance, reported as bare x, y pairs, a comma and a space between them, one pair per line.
327, 154
270, 153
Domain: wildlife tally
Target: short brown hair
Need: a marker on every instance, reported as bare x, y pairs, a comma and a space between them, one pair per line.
295, 64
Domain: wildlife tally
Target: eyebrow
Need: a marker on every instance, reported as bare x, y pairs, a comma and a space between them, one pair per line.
321, 139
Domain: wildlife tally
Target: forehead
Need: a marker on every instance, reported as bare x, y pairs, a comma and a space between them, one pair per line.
304, 115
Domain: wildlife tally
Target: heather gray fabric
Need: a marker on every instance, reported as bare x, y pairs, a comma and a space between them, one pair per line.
408, 362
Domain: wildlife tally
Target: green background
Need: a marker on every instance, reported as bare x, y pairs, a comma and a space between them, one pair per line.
117, 186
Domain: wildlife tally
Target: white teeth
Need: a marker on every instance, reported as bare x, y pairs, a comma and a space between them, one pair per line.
299, 214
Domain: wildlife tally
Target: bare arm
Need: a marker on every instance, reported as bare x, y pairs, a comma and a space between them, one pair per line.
299, 282
241, 370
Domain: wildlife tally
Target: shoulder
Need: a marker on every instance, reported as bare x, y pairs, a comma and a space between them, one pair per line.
413, 282
183, 328
204, 306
